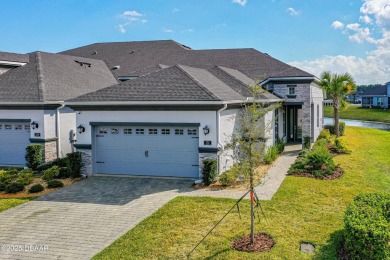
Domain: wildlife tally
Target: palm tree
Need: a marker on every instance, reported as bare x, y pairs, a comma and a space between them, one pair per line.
337, 86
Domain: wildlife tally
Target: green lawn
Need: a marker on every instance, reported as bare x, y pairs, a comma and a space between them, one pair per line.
359, 113
9, 203
302, 210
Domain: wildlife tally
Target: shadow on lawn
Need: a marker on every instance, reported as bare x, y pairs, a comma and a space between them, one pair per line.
329, 251
116, 190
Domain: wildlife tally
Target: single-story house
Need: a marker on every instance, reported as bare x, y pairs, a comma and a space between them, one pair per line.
377, 97
159, 108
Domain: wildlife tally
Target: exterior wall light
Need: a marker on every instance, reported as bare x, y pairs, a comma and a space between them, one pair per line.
81, 129
206, 130
34, 125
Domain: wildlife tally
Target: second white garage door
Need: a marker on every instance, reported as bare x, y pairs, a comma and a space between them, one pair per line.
147, 150
14, 138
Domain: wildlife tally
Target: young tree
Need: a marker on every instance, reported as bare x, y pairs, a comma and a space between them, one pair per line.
337, 86
249, 141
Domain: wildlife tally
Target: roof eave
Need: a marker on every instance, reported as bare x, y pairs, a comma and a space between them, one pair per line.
313, 78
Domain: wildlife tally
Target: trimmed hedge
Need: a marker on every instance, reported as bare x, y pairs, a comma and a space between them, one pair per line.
36, 188
55, 184
25, 177
33, 155
74, 164
367, 227
51, 173
341, 128
14, 187
209, 172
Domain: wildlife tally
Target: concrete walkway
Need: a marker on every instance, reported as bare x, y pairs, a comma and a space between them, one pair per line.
80, 220
269, 184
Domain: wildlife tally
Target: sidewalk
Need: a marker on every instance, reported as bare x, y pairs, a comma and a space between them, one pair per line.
269, 184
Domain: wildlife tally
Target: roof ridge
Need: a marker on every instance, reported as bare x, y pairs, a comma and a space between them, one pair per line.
231, 76
181, 68
40, 78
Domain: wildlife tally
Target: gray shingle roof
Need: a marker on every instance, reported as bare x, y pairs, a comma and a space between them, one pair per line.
53, 77
379, 91
133, 57
176, 83
15, 57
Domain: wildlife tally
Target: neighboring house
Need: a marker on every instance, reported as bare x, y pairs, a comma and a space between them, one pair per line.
32, 102
167, 107
377, 97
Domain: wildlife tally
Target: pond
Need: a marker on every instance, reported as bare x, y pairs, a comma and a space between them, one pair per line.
368, 124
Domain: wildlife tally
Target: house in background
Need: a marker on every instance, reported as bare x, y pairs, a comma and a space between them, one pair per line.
377, 97
156, 107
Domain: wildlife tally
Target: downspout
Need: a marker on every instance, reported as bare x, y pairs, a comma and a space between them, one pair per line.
219, 145
58, 128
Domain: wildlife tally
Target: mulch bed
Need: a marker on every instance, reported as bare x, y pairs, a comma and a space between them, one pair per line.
335, 175
263, 242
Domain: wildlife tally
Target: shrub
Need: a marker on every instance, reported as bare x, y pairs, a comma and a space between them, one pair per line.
209, 171
14, 187
33, 155
306, 142
230, 176
367, 227
74, 164
54, 184
341, 146
50, 173
2, 186
64, 173
341, 128
25, 177
61, 162
280, 146
6, 177
36, 188
325, 134
270, 155
320, 161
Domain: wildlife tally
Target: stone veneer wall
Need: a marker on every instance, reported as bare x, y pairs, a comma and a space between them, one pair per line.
86, 156
49, 152
303, 94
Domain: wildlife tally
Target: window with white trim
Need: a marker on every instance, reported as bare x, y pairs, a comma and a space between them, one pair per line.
139, 131
102, 130
114, 131
127, 131
152, 131
291, 89
165, 131
191, 131
179, 131
18, 127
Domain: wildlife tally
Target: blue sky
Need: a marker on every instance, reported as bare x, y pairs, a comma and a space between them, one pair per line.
315, 35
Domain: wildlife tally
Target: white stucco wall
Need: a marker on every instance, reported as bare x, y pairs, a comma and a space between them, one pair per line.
228, 127
203, 117
33, 115
68, 123
316, 99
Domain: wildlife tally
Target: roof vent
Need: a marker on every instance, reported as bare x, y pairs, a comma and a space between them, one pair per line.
117, 67
132, 52
94, 53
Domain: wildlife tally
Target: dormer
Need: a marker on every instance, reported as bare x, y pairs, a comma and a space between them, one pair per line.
12, 60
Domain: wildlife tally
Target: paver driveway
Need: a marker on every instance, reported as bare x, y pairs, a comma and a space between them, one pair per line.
80, 220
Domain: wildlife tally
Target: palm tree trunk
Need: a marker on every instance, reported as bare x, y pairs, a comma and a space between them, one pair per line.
336, 115
252, 240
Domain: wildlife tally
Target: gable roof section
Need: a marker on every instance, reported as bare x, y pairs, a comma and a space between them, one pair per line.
376, 91
134, 57
53, 77
14, 57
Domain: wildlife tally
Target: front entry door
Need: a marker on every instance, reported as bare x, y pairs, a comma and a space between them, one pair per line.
294, 124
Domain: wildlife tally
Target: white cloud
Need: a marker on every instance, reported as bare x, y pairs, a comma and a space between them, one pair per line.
187, 30
168, 30
353, 26
337, 25
292, 11
365, 19
130, 17
175, 10
380, 9
240, 2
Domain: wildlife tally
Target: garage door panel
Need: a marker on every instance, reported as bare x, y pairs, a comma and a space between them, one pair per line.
159, 151
14, 138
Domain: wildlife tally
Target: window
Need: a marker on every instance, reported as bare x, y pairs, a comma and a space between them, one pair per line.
318, 115
8, 127
139, 131
114, 131
179, 131
27, 127
380, 102
191, 131
276, 125
291, 89
153, 131
102, 130
166, 131
18, 127
127, 131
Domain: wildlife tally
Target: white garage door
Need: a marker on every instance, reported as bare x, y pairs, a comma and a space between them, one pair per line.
14, 138
147, 150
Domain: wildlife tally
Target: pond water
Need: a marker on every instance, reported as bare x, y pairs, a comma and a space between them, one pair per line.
368, 124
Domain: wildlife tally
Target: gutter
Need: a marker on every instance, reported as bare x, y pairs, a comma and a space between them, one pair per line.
58, 129
219, 145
